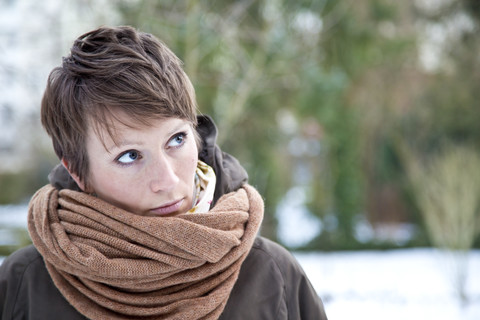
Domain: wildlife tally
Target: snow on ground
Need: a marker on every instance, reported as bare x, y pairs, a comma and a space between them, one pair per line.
11, 218
397, 284
13, 215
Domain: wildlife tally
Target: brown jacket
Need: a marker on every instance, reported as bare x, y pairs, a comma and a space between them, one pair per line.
271, 283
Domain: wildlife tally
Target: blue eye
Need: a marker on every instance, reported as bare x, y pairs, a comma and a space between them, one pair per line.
178, 140
128, 157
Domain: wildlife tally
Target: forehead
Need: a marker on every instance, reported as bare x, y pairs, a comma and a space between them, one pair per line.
109, 126
116, 129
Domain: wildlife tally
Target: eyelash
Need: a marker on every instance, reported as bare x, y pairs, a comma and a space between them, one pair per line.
126, 164
180, 134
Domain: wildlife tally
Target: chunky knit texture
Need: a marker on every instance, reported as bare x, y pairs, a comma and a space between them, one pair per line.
112, 264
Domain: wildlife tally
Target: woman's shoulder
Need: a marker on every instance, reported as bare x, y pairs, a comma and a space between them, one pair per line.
284, 266
20, 265
23, 264
272, 285
265, 251
26, 289
21, 260
264, 248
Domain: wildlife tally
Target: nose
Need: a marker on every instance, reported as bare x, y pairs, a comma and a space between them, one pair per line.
163, 176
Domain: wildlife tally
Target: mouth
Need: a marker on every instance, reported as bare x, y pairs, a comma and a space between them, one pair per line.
167, 209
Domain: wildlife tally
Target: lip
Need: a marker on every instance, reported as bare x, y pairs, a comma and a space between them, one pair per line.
168, 208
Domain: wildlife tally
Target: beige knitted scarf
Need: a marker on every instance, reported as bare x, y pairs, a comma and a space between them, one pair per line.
111, 264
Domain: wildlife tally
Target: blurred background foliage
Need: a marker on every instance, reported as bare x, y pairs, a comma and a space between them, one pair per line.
326, 95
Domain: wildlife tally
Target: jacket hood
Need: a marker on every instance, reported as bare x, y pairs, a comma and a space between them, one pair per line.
230, 173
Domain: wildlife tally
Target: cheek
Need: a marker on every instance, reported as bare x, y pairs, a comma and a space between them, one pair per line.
119, 190
193, 153
189, 172
193, 166
108, 182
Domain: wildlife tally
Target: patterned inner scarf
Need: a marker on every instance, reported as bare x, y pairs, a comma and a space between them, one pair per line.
205, 180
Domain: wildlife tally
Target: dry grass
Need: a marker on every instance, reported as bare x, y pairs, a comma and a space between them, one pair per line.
447, 190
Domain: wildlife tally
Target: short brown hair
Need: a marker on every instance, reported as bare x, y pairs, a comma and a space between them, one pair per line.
109, 70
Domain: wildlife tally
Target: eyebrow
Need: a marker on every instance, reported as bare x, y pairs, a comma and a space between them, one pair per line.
126, 142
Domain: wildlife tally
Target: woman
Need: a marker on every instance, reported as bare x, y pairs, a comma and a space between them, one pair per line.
145, 217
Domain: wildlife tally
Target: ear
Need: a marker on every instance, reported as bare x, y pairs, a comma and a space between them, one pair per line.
75, 177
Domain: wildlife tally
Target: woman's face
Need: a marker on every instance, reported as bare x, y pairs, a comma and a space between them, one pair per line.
149, 172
